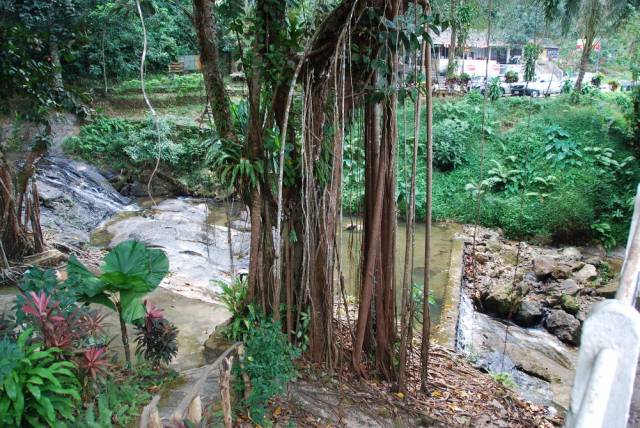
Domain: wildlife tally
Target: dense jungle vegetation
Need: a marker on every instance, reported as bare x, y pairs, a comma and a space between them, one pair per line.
301, 112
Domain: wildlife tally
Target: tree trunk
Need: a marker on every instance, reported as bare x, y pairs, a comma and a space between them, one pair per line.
205, 26
451, 66
426, 316
125, 336
584, 60
54, 52
407, 286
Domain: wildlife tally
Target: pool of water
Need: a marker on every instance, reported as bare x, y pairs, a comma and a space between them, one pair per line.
441, 245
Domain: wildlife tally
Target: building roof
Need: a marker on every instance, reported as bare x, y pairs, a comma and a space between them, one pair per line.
478, 39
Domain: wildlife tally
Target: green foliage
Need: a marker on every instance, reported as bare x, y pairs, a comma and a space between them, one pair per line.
115, 27
495, 90
634, 116
243, 316
597, 79
511, 76
156, 337
129, 271
560, 148
570, 304
531, 53
134, 146
501, 176
99, 417
36, 280
504, 378
235, 170
29, 67
119, 400
567, 86
465, 78
604, 234
39, 389
449, 137
180, 84
268, 361
589, 177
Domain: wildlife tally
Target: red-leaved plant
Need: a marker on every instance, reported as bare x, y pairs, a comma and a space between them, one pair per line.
57, 328
156, 338
93, 362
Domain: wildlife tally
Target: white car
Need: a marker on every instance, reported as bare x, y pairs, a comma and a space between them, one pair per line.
543, 86
478, 84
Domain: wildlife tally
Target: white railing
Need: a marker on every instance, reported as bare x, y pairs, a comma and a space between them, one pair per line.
610, 344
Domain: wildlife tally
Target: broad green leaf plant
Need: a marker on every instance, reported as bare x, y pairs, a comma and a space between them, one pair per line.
37, 389
129, 271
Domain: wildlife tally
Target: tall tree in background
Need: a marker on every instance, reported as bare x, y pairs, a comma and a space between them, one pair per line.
591, 17
451, 65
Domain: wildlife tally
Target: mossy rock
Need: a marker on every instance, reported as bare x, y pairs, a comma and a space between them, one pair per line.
570, 304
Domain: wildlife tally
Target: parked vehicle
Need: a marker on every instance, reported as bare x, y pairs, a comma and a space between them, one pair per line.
479, 84
627, 85
544, 86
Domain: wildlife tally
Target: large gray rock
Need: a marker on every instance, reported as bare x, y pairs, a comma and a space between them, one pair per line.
198, 251
498, 299
529, 313
587, 273
543, 266
566, 268
572, 253
570, 287
564, 326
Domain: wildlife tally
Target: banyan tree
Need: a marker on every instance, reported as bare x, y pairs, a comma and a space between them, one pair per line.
306, 79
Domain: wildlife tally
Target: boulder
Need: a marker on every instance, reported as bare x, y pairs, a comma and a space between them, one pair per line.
240, 225
529, 313
562, 271
587, 273
572, 253
482, 258
569, 287
493, 245
543, 266
498, 299
607, 291
564, 326
570, 304
49, 193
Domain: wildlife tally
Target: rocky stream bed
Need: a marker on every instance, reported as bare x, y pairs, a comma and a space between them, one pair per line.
522, 308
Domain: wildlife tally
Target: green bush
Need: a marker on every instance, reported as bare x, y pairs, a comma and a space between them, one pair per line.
634, 116
134, 146
268, 361
596, 80
449, 137
511, 76
567, 215
495, 90
36, 387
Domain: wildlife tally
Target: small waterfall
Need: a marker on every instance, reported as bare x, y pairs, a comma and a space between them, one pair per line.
75, 198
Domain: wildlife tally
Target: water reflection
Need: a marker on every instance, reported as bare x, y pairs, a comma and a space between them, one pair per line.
351, 242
